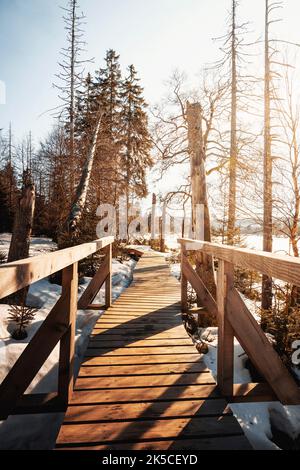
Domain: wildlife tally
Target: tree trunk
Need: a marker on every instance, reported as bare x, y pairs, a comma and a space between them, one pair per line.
233, 135
267, 219
20, 241
200, 211
153, 221
72, 96
76, 212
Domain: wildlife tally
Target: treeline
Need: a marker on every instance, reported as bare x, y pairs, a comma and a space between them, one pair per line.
121, 159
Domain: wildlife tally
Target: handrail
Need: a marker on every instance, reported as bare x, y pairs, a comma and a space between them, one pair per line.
18, 274
58, 327
234, 318
286, 268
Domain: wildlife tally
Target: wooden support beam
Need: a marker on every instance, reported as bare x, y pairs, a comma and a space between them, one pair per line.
96, 283
252, 393
33, 357
33, 403
96, 307
225, 280
183, 281
108, 280
260, 351
67, 342
197, 284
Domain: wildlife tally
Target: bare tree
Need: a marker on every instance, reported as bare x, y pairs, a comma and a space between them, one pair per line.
70, 78
286, 200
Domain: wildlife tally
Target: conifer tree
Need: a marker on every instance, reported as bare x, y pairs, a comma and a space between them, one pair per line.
107, 94
135, 138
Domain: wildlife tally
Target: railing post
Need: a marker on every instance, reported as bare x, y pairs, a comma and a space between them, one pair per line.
108, 289
67, 342
225, 373
184, 284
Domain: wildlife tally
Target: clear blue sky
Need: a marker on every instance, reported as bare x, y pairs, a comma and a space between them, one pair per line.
155, 35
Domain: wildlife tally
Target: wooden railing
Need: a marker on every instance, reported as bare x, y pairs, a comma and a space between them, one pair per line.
235, 320
58, 327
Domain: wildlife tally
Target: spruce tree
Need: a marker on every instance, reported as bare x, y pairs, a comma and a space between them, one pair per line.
107, 93
135, 137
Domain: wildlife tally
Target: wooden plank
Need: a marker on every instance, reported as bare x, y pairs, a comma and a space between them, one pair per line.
18, 274
67, 342
143, 319
236, 442
86, 383
133, 370
134, 411
140, 324
126, 317
286, 268
145, 394
93, 358
158, 339
225, 280
117, 343
135, 335
169, 429
146, 351
139, 330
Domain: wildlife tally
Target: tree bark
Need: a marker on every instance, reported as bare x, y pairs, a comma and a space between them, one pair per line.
231, 226
20, 241
267, 218
76, 212
200, 211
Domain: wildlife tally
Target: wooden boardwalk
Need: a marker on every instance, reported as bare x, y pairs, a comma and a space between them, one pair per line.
142, 384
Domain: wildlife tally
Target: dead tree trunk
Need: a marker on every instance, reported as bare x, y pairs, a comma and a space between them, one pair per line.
153, 221
162, 229
200, 211
267, 218
76, 212
233, 134
20, 241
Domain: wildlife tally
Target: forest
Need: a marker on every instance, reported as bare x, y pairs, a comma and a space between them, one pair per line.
230, 146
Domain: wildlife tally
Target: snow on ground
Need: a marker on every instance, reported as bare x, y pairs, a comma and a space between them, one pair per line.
255, 418
38, 245
281, 245
40, 431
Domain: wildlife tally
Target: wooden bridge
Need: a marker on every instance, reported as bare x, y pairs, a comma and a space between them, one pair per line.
142, 383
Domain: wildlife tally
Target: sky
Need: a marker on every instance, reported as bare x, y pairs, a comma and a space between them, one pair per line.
157, 36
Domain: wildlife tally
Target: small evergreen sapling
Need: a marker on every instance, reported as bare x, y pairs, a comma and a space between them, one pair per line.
22, 316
